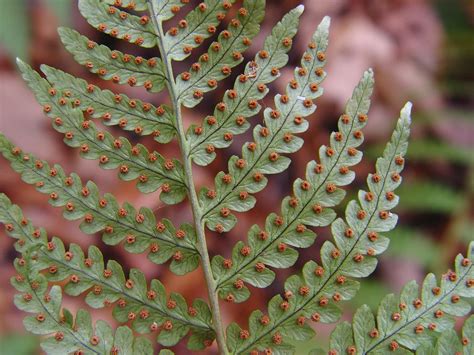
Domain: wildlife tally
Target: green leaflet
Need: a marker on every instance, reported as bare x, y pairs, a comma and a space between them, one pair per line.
222, 55
166, 9
118, 24
246, 174
357, 240
63, 330
449, 343
309, 206
139, 229
136, 5
166, 352
414, 319
115, 109
131, 298
233, 119
113, 65
199, 24
151, 169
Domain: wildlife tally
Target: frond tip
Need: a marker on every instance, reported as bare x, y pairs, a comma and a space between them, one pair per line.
246, 174
314, 294
222, 56
308, 206
230, 116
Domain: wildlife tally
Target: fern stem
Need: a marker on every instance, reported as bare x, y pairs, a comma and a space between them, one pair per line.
188, 172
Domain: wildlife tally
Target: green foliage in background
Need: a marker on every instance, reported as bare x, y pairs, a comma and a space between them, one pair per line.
15, 23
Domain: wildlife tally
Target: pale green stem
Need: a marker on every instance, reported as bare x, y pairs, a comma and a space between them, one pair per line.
197, 211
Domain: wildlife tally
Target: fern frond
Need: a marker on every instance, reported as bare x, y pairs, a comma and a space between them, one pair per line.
232, 120
119, 24
115, 109
167, 9
112, 64
307, 207
139, 229
449, 343
198, 25
135, 5
413, 319
148, 308
223, 55
151, 169
314, 294
65, 331
246, 174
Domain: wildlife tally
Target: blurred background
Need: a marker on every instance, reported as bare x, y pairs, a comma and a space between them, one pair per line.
420, 50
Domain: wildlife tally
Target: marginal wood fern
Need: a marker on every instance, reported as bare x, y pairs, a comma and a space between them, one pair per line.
419, 321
